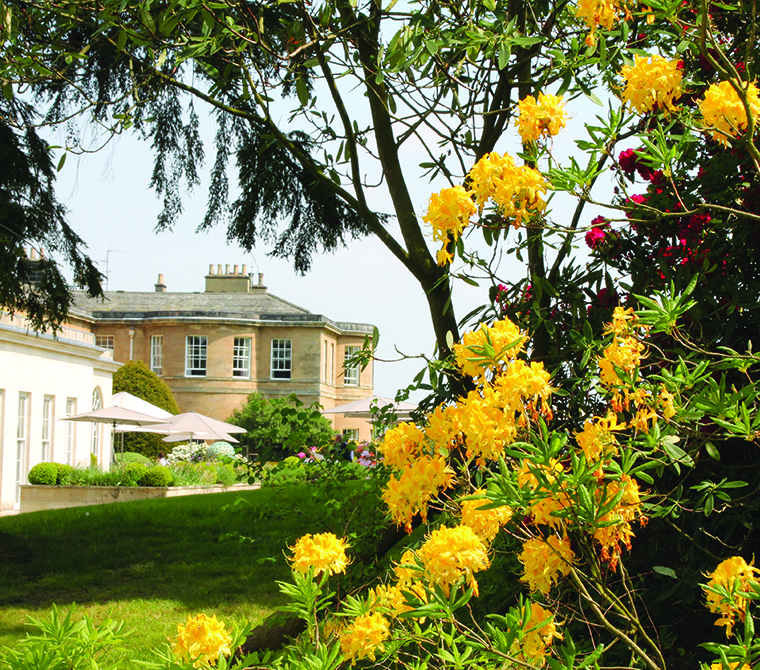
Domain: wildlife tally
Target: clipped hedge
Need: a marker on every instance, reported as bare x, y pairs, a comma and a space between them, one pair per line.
45, 474
157, 475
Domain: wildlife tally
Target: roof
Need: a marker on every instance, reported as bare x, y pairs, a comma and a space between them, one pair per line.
256, 305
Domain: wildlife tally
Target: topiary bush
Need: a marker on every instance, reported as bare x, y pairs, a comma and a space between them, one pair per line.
136, 378
134, 457
156, 475
44, 474
220, 449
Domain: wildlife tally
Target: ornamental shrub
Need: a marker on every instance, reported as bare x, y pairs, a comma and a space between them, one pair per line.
43, 474
136, 378
132, 473
134, 457
65, 473
220, 450
156, 475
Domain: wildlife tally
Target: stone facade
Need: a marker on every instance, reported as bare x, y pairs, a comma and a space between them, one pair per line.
216, 347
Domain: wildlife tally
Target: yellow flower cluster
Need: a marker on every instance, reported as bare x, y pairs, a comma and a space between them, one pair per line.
617, 522
625, 351
401, 445
734, 575
489, 347
452, 553
599, 13
418, 484
484, 522
540, 118
597, 439
517, 190
540, 632
202, 640
364, 637
448, 214
653, 82
323, 552
544, 561
724, 113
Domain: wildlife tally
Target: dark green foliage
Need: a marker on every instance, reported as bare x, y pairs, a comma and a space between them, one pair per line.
156, 475
45, 474
32, 218
136, 378
280, 427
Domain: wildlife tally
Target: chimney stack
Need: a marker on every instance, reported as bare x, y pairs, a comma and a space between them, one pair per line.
160, 286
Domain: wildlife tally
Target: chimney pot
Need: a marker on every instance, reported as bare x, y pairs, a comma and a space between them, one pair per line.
261, 279
244, 270
219, 269
211, 269
160, 286
234, 270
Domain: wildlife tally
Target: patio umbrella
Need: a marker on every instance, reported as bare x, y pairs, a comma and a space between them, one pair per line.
115, 417
361, 409
129, 401
189, 425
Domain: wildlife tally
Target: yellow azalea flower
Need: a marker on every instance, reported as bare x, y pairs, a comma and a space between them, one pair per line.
617, 522
600, 13
653, 82
410, 493
542, 511
732, 666
485, 523
517, 191
444, 256
324, 552
665, 400
452, 553
597, 440
401, 445
486, 426
540, 118
642, 419
540, 632
449, 212
505, 338
444, 428
202, 640
724, 112
544, 561
735, 575
524, 388
406, 570
364, 637
624, 322
624, 353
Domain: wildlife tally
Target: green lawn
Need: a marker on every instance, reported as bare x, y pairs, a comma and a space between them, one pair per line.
153, 562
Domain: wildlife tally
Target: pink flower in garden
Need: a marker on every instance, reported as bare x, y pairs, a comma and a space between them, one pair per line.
300, 454
595, 237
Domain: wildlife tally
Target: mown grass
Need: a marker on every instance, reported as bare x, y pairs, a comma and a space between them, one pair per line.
153, 562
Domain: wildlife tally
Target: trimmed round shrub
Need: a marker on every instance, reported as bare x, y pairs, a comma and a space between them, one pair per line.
133, 457
65, 473
221, 449
45, 474
132, 473
156, 475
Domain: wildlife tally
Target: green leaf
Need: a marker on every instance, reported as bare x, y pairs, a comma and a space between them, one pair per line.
662, 570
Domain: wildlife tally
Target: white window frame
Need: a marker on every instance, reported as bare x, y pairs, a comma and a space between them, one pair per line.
281, 361
71, 410
22, 441
157, 354
241, 357
351, 434
105, 342
46, 438
196, 356
350, 373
